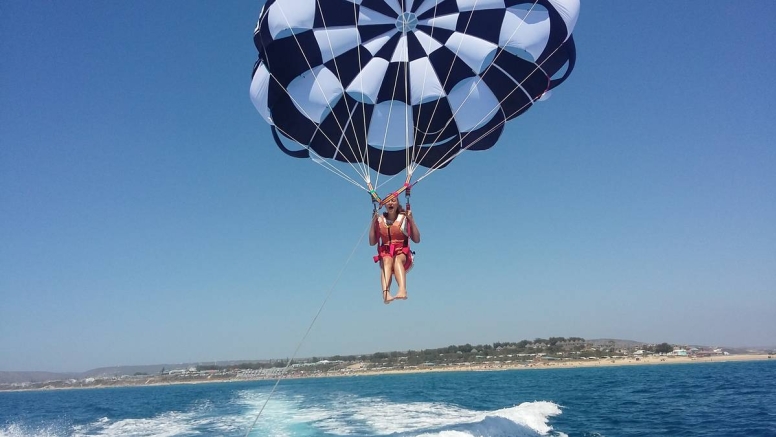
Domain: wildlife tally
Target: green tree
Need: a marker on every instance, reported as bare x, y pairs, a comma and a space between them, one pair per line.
663, 348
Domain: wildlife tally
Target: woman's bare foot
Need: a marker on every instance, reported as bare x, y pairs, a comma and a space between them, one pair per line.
402, 295
387, 298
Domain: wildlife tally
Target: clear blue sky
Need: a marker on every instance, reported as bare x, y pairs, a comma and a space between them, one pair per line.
146, 215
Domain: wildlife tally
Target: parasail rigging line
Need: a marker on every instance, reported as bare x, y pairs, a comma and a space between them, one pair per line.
321, 161
372, 191
447, 78
443, 160
309, 328
422, 92
408, 148
315, 77
361, 78
364, 162
471, 89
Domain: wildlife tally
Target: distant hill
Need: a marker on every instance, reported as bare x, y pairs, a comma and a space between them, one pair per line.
152, 369
155, 369
14, 377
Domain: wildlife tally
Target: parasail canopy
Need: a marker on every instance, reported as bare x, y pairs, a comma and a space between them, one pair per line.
393, 85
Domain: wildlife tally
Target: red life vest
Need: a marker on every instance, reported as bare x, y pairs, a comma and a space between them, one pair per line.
394, 239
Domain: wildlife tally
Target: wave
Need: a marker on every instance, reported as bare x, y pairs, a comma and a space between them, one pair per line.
22, 430
349, 415
198, 420
331, 414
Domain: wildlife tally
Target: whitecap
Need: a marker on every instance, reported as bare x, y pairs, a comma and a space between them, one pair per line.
346, 414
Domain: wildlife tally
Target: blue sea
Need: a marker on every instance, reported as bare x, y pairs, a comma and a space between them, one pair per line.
699, 399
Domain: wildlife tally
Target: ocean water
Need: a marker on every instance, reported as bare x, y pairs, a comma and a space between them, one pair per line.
699, 399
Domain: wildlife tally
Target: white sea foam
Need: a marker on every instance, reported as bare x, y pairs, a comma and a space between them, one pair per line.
16, 430
203, 418
534, 415
281, 416
333, 413
168, 424
342, 414
163, 425
377, 416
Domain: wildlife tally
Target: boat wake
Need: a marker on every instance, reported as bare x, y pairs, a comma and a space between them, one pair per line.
348, 415
307, 415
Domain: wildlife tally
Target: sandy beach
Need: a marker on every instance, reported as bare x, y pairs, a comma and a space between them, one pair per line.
559, 364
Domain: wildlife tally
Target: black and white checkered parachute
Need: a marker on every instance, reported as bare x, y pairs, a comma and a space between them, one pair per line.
390, 85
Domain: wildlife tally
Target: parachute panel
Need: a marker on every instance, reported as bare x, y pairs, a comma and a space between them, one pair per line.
388, 84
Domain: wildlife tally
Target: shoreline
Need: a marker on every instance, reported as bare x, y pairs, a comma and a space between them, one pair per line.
571, 364
355, 370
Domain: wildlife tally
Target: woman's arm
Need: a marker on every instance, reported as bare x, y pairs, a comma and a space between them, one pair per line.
372, 231
414, 231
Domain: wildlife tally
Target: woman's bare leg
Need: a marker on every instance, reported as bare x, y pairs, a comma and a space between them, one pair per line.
386, 268
401, 276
